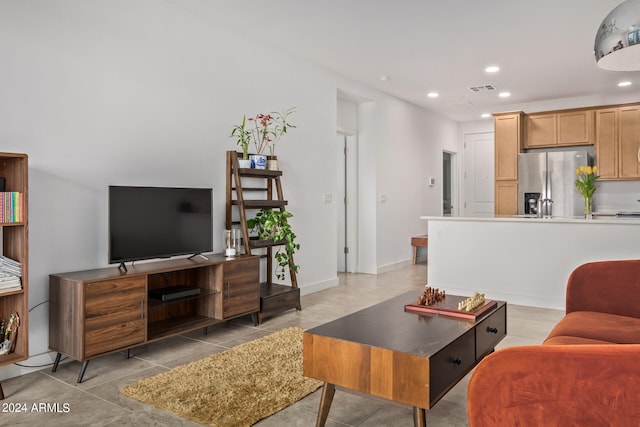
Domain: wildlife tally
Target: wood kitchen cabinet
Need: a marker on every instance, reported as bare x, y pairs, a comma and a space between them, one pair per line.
629, 142
607, 142
567, 128
540, 130
96, 312
508, 142
618, 142
506, 198
574, 127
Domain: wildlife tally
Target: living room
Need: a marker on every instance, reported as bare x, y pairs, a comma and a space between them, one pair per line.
147, 92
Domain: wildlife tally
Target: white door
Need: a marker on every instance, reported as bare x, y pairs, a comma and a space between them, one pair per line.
479, 174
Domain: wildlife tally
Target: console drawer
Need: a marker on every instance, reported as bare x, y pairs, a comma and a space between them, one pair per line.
114, 315
490, 331
450, 364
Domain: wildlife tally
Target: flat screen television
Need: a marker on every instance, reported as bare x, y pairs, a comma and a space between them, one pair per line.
158, 222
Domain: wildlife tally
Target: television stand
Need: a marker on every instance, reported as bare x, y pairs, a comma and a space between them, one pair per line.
122, 267
98, 312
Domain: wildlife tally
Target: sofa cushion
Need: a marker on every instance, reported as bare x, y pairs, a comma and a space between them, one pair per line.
592, 327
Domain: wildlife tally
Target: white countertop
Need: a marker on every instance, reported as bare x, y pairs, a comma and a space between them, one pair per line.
605, 219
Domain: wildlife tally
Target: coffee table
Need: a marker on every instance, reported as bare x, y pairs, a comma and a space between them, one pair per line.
407, 357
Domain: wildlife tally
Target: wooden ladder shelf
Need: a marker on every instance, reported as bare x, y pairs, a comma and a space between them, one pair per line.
274, 297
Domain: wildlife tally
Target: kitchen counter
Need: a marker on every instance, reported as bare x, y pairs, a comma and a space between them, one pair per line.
597, 219
519, 259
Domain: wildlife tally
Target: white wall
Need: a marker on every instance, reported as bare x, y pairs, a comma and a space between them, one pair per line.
145, 93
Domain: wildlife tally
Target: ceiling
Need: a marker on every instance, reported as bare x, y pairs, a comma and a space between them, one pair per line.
544, 48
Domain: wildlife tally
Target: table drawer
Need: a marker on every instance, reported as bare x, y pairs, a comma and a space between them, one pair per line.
450, 364
490, 331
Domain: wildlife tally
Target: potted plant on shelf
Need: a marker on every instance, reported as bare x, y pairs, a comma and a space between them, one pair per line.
243, 139
267, 131
272, 224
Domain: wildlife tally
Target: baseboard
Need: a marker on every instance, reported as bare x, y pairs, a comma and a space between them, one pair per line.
318, 286
394, 266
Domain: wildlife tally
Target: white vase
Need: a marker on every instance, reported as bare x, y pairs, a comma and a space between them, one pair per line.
258, 161
244, 164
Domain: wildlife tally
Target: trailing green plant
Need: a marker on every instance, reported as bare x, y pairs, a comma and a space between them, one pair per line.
272, 224
243, 137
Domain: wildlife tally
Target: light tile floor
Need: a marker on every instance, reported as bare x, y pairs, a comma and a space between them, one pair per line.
97, 401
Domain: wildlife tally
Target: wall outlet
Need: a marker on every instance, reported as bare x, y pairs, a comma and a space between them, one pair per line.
327, 198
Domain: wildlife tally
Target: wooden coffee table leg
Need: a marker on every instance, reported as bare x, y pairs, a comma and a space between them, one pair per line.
325, 403
419, 417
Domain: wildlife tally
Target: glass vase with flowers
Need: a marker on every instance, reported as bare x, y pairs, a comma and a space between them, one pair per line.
586, 177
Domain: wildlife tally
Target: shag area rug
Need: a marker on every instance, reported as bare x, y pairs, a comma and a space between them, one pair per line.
235, 388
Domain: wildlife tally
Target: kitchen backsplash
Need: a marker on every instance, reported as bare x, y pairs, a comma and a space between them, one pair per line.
617, 196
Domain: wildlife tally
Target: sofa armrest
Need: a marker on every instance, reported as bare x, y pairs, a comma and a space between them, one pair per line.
556, 386
605, 286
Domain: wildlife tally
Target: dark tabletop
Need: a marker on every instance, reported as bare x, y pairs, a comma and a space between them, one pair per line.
387, 325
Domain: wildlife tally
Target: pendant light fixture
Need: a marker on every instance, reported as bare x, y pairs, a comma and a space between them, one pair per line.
617, 46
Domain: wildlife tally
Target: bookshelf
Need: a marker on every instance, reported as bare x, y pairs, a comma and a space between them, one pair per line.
14, 228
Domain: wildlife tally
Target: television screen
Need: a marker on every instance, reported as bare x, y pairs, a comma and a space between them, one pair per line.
158, 222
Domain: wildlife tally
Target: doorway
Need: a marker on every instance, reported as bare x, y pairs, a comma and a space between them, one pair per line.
449, 182
347, 203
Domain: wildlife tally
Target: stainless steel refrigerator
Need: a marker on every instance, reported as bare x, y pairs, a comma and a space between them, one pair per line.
550, 177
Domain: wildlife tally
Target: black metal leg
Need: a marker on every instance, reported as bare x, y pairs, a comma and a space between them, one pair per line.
128, 353
82, 371
1, 393
254, 319
57, 361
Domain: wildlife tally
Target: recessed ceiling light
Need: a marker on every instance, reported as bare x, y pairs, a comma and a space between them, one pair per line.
433, 94
384, 78
492, 69
485, 115
504, 94
623, 84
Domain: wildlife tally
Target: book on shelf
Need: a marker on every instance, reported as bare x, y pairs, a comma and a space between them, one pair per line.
10, 266
12, 289
10, 275
11, 207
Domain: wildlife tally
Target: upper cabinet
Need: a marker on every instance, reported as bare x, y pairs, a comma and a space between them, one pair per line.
540, 130
508, 140
571, 127
618, 142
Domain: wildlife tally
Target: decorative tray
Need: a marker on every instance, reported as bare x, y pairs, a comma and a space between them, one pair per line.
449, 307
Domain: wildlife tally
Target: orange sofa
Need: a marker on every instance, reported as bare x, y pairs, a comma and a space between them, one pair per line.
587, 371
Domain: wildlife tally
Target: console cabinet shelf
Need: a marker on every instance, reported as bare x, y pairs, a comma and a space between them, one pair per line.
14, 171
97, 312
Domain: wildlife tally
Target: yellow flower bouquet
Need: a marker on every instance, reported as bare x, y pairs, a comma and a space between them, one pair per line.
586, 185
